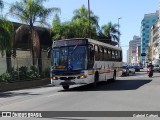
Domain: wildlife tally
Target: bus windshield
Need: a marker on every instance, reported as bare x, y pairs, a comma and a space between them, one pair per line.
69, 58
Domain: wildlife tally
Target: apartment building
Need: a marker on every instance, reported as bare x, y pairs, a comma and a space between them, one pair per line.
148, 21
132, 52
154, 45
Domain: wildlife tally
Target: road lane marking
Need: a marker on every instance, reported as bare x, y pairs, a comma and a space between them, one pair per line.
55, 94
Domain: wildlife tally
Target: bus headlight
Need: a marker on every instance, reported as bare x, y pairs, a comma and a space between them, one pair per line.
55, 78
82, 77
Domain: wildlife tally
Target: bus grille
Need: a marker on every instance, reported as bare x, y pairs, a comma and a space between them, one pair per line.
67, 78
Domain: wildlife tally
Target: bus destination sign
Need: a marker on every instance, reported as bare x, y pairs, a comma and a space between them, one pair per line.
69, 42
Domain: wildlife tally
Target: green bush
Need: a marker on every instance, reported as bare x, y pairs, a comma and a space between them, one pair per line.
5, 77
23, 72
33, 73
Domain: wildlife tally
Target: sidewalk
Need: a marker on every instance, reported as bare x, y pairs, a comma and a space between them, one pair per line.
23, 84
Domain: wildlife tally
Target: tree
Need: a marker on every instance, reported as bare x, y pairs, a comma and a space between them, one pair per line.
56, 28
110, 30
6, 40
81, 16
1, 4
31, 12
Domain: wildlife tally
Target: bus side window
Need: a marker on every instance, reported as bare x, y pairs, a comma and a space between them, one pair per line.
91, 55
97, 53
113, 55
101, 54
105, 54
121, 56
116, 55
109, 54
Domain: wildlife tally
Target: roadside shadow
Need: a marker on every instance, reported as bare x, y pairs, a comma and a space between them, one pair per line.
107, 86
11, 94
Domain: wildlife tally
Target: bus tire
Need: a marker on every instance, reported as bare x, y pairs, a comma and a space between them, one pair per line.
114, 76
96, 78
65, 87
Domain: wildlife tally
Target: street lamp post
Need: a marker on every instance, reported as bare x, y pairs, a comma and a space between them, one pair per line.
118, 31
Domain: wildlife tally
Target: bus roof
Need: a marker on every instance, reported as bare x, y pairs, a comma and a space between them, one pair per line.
91, 41
103, 44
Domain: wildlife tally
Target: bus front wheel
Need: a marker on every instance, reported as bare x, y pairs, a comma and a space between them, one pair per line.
65, 87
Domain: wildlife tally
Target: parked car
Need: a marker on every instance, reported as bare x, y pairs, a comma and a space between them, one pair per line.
131, 70
137, 68
141, 67
156, 67
125, 71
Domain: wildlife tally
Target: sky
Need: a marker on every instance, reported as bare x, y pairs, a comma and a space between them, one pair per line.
130, 11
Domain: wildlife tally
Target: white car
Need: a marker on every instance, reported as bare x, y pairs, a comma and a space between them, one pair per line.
156, 67
131, 69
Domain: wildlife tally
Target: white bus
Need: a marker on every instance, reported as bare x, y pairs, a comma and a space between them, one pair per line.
84, 61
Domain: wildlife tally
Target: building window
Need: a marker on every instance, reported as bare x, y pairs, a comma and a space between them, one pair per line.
153, 20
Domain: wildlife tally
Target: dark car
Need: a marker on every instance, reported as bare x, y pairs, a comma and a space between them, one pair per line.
137, 68
125, 71
141, 67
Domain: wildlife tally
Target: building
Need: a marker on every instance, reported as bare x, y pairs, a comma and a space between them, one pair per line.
154, 46
128, 58
22, 46
148, 21
138, 55
132, 52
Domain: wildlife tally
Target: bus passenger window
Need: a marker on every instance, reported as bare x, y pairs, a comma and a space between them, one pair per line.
91, 57
96, 53
101, 53
109, 54
113, 55
105, 54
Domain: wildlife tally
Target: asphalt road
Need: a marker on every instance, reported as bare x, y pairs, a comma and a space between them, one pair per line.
131, 93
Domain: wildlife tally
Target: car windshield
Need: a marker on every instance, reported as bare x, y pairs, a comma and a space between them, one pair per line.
156, 65
130, 67
124, 67
69, 58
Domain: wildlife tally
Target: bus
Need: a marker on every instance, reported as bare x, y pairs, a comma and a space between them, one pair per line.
84, 61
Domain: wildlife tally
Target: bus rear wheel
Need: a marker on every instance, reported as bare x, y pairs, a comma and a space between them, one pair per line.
114, 77
96, 78
65, 87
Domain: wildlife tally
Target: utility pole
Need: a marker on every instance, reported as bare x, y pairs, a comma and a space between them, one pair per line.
118, 34
89, 29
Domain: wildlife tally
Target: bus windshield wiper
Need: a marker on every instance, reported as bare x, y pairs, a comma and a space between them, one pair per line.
74, 49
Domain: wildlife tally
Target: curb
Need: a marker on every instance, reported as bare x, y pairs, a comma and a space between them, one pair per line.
23, 84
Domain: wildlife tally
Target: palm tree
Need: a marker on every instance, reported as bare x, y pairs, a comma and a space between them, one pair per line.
56, 28
82, 15
1, 4
31, 12
110, 30
6, 40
